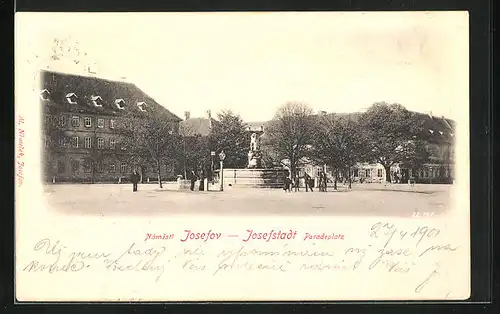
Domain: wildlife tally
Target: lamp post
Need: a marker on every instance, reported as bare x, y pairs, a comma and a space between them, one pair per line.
212, 153
221, 157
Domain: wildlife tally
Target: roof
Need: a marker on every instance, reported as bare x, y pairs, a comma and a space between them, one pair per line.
196, 126
434, 129
88, 89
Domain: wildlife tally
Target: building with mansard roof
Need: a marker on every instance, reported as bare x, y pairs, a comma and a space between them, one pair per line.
85, 122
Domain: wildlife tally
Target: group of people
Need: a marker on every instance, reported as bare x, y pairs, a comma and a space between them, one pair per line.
288, 184
194, 178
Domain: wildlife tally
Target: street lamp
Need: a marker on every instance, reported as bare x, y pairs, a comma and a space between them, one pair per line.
221, 158
212, 153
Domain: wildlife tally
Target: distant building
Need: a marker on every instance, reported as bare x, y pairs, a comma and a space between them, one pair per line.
84, 128
438, 134
201, 126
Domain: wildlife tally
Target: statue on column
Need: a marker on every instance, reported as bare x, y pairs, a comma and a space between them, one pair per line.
254, 152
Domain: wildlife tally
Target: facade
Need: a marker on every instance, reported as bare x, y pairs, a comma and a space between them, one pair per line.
85, 124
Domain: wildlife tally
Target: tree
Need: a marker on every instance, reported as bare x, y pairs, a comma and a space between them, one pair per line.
390, 130
229, 134
151, 138
338, 143
196, 153
290, 133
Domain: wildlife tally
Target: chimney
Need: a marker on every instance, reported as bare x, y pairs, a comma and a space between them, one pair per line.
187, 115
209, 114
430, 114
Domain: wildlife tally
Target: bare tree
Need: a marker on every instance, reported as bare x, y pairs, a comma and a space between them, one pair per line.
290, 134
339, 143
151, 138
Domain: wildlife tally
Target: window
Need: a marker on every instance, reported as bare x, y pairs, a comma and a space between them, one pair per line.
62, 121
142, 106
61, 167
88, 122
379, 173
356, 174
74, 142
46, 140
367, 173
47, 118
112, 124
123, 167
112, 168
87, 165
99, 166
88, 142
100, 143
100, 123
112, 143
120, 104
75, 121
75, 166
44, 94
61, 141
71, 98
97, 101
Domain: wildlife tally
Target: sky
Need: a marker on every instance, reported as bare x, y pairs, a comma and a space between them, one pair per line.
251, 63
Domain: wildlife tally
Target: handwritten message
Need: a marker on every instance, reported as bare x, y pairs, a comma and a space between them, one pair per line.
387, 249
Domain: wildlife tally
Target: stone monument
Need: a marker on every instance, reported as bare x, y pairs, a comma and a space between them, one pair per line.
254, 176
254, 158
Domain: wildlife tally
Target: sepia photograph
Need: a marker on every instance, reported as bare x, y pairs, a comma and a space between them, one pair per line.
272, 133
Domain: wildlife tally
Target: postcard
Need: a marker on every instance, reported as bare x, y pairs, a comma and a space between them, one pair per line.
242, 156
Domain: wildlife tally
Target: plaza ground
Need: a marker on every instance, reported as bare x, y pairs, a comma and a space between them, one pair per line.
363, 199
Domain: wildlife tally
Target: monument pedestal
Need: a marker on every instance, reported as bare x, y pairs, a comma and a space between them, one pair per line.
254, 178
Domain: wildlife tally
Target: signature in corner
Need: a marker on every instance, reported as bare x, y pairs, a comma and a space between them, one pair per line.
424, 283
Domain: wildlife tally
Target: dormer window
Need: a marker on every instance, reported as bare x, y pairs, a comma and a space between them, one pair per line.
142, 106
44, 95
440, 132
97, 101
71, 98
120, 104
431, 131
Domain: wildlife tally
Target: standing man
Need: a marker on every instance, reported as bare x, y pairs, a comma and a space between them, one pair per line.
320, 183
296, 182
307, 182
193, 179
202, 180
135, 179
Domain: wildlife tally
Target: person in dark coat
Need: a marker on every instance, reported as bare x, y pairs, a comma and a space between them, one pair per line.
202, 180
286, 184
193, 179
321, 178
307, 182
135, 178
296, 183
